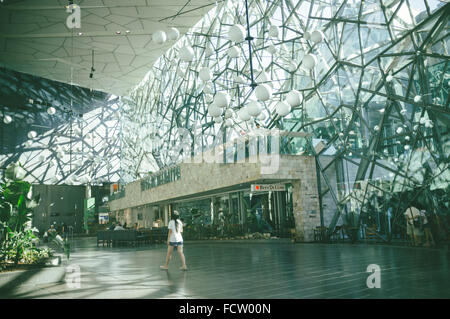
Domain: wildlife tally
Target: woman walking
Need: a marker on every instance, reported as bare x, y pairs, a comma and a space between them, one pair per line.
175, 239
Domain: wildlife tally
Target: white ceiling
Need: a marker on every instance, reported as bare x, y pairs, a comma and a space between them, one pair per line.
34, 38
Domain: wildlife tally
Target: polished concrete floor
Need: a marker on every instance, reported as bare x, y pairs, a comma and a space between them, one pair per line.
267, 269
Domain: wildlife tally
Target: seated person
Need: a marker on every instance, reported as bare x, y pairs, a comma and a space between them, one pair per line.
51, 231
118, 227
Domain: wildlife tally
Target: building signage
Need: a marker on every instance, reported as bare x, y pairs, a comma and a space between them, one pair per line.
268, 187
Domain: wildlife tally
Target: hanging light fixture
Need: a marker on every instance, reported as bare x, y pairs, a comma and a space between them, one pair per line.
317, 36
272, 49
204, 74
236, 33
159, 37
294, 98
186, 54
263, 92
209, 50
253, 108
221, 99
214, 110
243, 114
51, 110
309, 61
282, 108
228, 113
233, 52
273, 31
173, 34
7, 119
32, 135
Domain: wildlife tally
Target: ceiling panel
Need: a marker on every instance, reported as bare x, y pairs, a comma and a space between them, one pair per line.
34, 39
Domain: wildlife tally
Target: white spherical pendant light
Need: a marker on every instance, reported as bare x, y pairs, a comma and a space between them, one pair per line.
214, 111
159, 37
233, 52
417, 98
253, 108
51, 110
263, 92
294, 98
229, 123
238, 79
218, 119
292, 67
272, 49
173, 34
262, 116
186, 54
209, 50
282, 108
309, 61
243, 114
207, 89
236, 33
307, 35
222, 99
7, 119
228, 113
204, 74
317, 36
389, 78
32, 134
273, 31
261, 77
209, 98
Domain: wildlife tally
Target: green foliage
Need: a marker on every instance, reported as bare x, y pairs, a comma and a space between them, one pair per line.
17, 241
19, 247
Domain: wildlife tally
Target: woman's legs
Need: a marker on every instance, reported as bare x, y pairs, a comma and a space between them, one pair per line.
429, 237
169, 253
183, 260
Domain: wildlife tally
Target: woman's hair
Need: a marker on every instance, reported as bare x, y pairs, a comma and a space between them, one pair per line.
175, 217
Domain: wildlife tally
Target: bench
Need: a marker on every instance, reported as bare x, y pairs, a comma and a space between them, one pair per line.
118, 237
159, 235
124, 236
105, 237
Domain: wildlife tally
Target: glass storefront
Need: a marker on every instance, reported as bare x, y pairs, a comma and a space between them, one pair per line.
238, 214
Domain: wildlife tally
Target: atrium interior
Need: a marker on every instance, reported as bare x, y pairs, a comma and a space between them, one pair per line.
300, 139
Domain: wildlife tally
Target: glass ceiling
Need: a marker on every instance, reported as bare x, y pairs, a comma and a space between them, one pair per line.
368, 79
373, 78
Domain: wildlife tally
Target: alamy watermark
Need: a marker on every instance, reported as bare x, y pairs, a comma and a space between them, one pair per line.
374, 280
73, 277
74, 19
259, 146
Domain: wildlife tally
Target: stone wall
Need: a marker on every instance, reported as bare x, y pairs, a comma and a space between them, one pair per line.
201, 177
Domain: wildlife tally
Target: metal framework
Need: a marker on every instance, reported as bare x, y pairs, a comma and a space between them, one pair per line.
377, 97
78, 144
